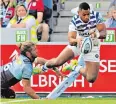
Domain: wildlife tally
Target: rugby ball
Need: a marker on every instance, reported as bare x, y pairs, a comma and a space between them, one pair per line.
86, 45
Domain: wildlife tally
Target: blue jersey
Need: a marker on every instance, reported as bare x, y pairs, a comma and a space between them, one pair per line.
83, 28
20, 68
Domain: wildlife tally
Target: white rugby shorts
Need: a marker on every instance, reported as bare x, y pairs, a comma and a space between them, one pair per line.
93, 56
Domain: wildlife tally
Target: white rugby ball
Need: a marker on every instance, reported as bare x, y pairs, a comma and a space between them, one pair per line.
86, 45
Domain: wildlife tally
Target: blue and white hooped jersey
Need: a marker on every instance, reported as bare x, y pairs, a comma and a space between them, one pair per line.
82, 28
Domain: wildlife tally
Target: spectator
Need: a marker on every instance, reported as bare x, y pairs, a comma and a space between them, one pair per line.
24, 2
113, 3
47, 15
55, 5
48, 4
36, 8
111, 22
62, 4
6, 11
109, 14
21, 19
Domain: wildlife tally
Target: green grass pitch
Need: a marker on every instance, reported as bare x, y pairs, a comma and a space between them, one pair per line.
61, 101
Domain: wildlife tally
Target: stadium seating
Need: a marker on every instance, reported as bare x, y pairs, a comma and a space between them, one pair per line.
61, 29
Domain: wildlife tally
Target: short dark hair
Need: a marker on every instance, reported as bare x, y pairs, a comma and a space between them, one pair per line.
84, 6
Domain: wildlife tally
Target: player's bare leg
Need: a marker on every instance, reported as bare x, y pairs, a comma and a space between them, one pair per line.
63, 57
90, 72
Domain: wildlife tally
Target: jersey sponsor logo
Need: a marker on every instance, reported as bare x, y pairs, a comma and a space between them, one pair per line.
80, 27
26, 61
97, 56
84, 34
7, 66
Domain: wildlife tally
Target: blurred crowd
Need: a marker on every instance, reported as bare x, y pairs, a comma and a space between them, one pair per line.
36, 15
111, 20
32, 14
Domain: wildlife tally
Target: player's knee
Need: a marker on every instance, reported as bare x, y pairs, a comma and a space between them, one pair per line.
91, 79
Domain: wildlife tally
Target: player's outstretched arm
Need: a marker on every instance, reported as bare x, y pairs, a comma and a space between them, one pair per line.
27, 88
40, 60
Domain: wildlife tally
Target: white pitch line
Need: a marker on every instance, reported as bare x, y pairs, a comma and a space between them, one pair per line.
14, 101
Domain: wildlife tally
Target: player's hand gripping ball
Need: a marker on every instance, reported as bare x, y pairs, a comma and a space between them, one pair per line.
86, 45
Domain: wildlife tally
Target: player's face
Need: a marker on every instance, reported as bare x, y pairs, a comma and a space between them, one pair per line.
34, 52
84, 15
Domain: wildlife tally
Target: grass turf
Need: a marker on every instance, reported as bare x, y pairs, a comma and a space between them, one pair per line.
61, 101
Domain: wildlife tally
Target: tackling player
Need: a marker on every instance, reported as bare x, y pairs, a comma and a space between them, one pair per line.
19, 69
